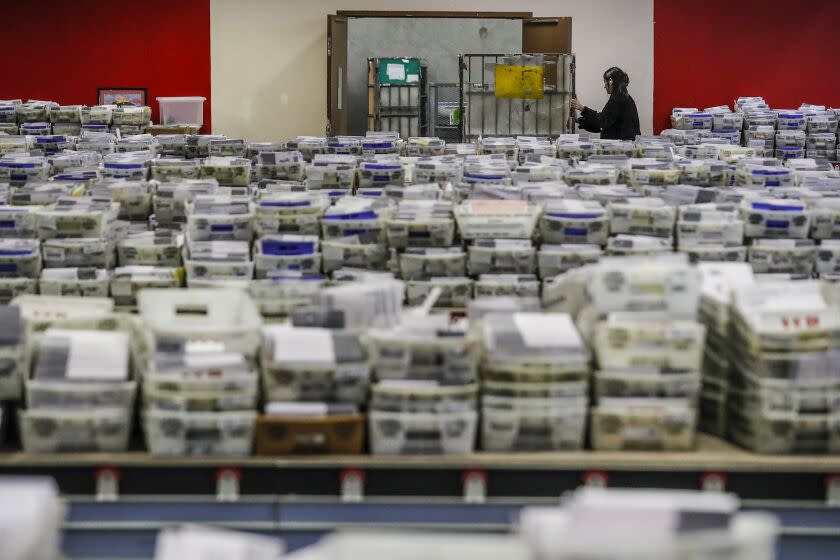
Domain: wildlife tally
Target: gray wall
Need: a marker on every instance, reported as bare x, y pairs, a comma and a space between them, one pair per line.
438, 41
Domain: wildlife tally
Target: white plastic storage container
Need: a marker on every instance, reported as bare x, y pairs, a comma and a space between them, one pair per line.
153, 248
20, 258
53, 431
182, 111
557, 424
184, 434
401, 433
88, 252
775, 218
220, 218
226, 316
218, 260
643, 424
277, 253
454, 292
127, 281
82, 282
574, 221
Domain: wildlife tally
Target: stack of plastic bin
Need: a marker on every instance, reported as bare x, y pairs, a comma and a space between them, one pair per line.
81, 393
290, 212
534, 382
641, 317
784, 388
20, 259
170, 200
220, 218
353, 234
228, 171
200, 391
422, 233
78, 234
711, 232
719, 280
315, 380
425, 399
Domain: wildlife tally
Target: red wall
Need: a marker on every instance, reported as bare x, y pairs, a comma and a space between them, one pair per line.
63, 50
711, 52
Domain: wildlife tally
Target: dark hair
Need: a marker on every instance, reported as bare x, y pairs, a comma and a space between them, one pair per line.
619, 79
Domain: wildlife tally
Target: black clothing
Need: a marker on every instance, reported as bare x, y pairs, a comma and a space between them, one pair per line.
619, 119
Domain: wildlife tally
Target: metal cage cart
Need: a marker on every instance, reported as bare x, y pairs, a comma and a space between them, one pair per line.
445, 111
519, 94
397, 96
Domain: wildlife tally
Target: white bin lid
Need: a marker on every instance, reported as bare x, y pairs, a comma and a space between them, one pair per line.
178, 99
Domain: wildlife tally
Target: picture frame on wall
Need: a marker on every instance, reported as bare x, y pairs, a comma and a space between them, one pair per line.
121, 96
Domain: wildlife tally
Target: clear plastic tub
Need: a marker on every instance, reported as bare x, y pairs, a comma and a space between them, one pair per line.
635, 341
628, 245
185, 434
524, 428
692, 121
228, 171
276, 253
643, 424
127, 281
172, 145
454, 292
796, 256
98, 114
81, 282
511, 219
131, 116
131, 165
20, 258
351, 252
398, 433
431, 146
330, 175
791, 121
55, 431
66, 395
574, 221
784, 433
715, 253
592, 174
450, 357
280, 165
293, 212
11, 288
170, 199
91, 252
278, 296
381, 173
171, 169
421, 223
443, 170
218, 260
497, 285
20, 169
557, 259
828, 257
423, 397
642, 216
501, 256
78, 217
182, 110
624, 384
152, 248
342, 376
575, 150
427, 263
773, 218
226, 316
19, 222
220, 218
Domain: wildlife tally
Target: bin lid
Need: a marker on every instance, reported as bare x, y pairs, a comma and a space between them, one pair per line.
176, 99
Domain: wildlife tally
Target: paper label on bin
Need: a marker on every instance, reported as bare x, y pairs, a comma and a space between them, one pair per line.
304, 345
395, 71
547, 330
98, 355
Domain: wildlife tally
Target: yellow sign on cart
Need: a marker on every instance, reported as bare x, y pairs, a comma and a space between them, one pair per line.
519, 82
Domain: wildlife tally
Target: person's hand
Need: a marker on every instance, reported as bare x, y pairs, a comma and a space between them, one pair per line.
576, 105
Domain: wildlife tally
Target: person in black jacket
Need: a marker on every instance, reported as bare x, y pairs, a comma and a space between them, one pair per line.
619, 120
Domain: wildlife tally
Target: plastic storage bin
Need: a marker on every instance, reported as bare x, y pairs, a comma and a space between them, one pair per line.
182, 111
53, 431
276, 253
400, 433
182, 434
226, 316
82, 282
643, 424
